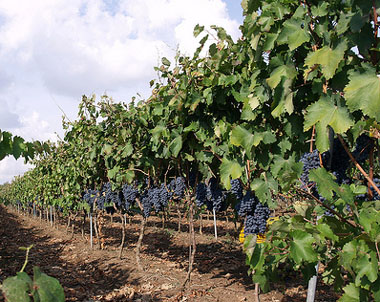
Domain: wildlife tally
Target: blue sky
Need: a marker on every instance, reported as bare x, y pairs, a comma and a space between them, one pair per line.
235, 10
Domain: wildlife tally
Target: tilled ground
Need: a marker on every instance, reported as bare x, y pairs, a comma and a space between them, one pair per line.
89, 274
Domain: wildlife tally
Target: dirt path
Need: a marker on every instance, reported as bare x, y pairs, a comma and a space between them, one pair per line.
99, 275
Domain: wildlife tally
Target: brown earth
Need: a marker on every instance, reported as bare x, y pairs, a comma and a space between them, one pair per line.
90, 275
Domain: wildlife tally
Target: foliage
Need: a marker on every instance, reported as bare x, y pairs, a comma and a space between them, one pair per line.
246, 111
21, 288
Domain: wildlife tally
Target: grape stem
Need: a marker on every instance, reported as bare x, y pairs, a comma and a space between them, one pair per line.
370, 192
327, 207
377, 250
357, 165
312, 139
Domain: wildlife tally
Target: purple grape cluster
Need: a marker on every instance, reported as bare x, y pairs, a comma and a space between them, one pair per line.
236, 188
247, 204
130, 193
89, 197
146, 202
210, 195
201, 194
178, 186
376, 195
362, 147
310, 161
256, 221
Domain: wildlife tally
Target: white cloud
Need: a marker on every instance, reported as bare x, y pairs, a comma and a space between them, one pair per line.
52, 52
9, 168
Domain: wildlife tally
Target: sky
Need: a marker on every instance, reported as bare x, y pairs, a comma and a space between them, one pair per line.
54, 51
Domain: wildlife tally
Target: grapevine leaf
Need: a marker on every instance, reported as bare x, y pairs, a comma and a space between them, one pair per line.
17, 288
326, 231
348, 253
263, 188
197, 30
366, 266
325, 112
165, 61
48, 288
301, 247
283, 71
351, 294
322, 137
230, 169
249, 245
286, 170
325, 182
370, 220
327, 57
294, 33
363, 93
18, 146
320, 10
176, 146
241, 137
107, 149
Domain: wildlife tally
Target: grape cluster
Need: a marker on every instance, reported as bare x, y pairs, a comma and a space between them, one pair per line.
340, 161
215, 197
160, 197
177, 186
192, 179
210, 195
236, 188
89, 197
376, 195
146, 202
256, 221
363, 145
130, 193
200, 194
247, 204
310, 161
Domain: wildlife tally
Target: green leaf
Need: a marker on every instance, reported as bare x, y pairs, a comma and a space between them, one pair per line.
351, 294
283, 71
320, 10
241, 137
197, 30
325, 182
113, 172
328, 58
366, 266
230, 169
165, 61
17, 288
294, 33
127, 150
18, 146
326, 231
107, 149
287, 171
176, 146
325, 112
48, 288
301, 247
363, 93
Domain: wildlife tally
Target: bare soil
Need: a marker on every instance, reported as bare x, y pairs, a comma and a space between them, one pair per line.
87, 275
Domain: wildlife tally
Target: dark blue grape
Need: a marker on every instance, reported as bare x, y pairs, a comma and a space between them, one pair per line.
256, 221
247, 204
200, 194
363, 145
236, 188
130, 193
